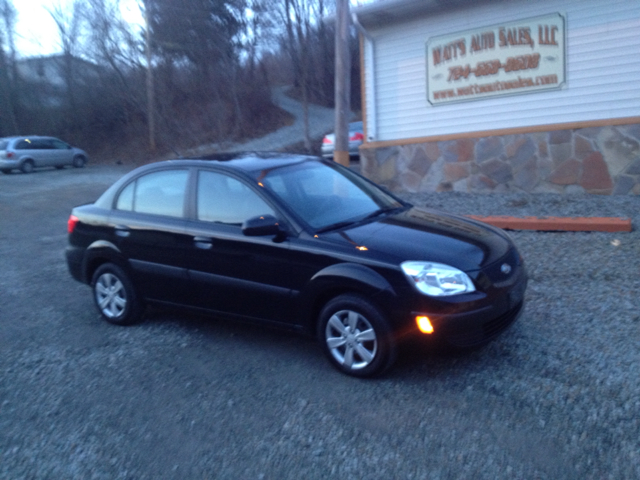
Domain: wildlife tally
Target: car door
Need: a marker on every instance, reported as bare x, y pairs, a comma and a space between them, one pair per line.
37, 150
62, 152
148, 227
46, 156
231, 272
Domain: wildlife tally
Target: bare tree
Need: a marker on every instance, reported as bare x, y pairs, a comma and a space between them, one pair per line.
114, 43
260, 34
308, 43
69, 22
8, 124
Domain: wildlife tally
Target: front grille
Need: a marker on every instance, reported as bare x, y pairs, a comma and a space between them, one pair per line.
484, 332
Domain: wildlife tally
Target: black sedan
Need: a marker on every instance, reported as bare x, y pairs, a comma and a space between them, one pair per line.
299, 242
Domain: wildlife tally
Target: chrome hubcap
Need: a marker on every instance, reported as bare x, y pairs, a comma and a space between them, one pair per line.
351, 339
110, 295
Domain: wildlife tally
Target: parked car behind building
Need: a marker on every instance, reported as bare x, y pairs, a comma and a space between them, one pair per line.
29, 152
356, 136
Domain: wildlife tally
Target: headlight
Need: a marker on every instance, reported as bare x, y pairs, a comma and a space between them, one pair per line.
436, 279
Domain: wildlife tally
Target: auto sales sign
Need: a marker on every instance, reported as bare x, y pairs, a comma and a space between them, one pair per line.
512, 58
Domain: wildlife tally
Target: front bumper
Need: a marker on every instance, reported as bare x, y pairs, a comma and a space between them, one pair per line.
468, 325
473, 329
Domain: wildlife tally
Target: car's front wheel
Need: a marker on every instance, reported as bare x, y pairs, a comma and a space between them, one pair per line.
115, 296
356, 336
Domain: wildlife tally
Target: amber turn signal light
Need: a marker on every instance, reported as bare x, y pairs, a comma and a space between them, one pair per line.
424, 324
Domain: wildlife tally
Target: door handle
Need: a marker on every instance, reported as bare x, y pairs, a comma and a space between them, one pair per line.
122, 231
204, 243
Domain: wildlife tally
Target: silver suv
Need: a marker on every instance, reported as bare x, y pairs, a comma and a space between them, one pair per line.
29, 152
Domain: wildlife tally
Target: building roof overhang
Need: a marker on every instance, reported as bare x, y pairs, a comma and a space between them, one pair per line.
387, 12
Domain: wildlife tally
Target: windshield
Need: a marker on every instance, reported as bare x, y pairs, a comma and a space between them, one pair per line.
324, 197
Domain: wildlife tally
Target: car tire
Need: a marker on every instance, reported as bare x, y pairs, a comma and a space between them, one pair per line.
114, 295
27, 167
6, 171
79, 161
356, 336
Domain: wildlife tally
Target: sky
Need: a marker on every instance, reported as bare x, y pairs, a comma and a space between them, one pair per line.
37, 34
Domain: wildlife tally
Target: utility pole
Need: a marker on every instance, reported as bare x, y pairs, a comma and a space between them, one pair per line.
342, 84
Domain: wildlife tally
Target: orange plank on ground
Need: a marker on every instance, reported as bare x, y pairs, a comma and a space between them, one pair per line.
561, 224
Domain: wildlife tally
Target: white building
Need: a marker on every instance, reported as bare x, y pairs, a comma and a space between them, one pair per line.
46, 78
511, 95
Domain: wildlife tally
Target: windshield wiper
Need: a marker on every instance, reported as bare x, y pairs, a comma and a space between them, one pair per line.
335, 226
380, 211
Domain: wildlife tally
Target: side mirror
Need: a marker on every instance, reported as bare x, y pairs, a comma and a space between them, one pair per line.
262, 225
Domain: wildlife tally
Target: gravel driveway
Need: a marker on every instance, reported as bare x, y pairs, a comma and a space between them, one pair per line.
185, 396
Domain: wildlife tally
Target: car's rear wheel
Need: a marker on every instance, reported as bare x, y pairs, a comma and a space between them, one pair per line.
79, 161
27, 167
356, 336
115, 296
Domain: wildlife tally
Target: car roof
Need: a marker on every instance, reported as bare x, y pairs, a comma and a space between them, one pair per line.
248, 163
245, 161
21, 137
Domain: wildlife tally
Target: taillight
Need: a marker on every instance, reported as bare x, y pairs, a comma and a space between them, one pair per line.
71, 223
9, 154
326, 140
356, 136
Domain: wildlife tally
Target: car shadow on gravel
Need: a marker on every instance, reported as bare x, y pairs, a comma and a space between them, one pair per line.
433, 358
421, 357
219, 329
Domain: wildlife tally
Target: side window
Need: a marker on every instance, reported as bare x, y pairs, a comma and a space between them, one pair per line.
43, 144
223, 199
125, 199
158, 193
23, 145
59, 144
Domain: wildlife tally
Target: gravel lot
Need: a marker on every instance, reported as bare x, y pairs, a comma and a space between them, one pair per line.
185, 396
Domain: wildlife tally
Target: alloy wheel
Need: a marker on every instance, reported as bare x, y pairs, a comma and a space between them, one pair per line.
351, 339
111, 295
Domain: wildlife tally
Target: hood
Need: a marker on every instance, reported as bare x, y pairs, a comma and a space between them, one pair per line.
429, 235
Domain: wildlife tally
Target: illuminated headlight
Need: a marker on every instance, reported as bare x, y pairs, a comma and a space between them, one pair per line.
436, 279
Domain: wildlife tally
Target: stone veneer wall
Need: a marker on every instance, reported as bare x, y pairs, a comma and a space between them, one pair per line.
600, 160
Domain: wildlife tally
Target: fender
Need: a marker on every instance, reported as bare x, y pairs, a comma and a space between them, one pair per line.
100, 250
341, 278
351, 272
103, 244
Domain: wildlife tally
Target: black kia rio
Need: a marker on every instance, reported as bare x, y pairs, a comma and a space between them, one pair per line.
299, 242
